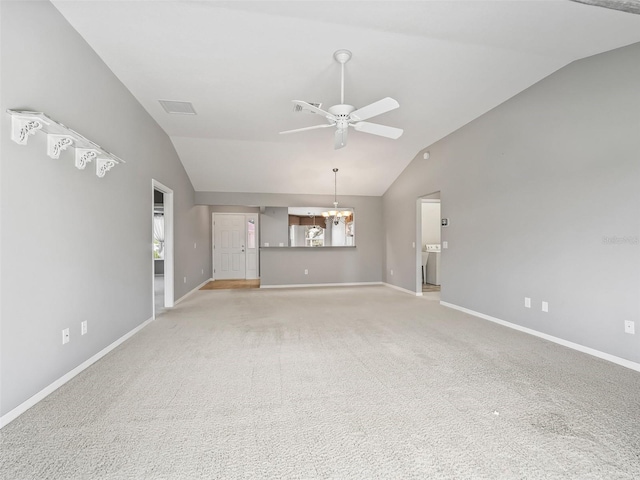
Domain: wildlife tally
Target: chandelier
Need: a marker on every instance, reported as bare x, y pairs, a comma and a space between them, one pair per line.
336, 216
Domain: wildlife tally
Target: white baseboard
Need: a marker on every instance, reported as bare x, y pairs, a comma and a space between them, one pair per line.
192, 291
27, 404
315, 285
395, 287
560, 341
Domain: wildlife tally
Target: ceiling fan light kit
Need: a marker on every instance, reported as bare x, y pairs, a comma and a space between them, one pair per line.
343, 116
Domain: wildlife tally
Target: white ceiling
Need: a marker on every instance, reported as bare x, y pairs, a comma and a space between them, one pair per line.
241, 63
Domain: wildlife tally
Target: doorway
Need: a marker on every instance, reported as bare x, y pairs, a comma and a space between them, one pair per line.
428, 233
235, 246
162, 254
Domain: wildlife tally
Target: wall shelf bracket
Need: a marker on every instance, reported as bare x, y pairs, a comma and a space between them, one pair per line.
57, 143
84, 156
23, 127
103, 165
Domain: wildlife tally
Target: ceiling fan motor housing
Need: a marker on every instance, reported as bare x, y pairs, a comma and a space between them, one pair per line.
342, 112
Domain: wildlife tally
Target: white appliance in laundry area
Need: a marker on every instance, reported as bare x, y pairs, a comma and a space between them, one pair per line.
433, 263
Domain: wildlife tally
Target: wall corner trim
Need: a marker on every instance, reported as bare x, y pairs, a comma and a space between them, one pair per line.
27, 404
191, 292
560, 341
395, 287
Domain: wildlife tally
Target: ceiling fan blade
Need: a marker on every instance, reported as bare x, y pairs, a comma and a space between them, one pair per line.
376, 108
311, 108
340, 139
376, 129
308, 128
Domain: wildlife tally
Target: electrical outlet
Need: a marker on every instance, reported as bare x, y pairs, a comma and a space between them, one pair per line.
445, 244
185, 279
391, 271
83, 328
629, 327
545, 306
306, 271
194, 244
527, 302
413, 244
65, 336
203, 271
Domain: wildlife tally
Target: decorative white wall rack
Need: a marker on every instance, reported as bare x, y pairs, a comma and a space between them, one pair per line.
59, 138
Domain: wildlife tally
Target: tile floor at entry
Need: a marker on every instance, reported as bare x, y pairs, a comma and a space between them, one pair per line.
427, 287
230, 284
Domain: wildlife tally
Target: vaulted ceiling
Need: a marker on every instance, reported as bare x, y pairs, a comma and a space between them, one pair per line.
240, 63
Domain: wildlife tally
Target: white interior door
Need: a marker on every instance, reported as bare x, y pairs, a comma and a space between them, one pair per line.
229, 246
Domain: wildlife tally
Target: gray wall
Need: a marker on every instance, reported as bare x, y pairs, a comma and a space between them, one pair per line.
285, 266
543, 194
233, 209
76, 247
274, 227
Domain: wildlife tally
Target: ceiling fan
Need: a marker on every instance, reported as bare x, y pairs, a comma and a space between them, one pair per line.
343, 116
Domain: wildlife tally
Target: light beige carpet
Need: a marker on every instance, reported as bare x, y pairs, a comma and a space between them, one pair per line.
341, 383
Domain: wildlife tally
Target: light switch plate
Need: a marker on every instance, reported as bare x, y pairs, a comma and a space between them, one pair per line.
545, 306
527, 302
630, 327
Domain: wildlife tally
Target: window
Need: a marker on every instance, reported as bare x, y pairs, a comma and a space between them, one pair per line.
251, 233
158, 236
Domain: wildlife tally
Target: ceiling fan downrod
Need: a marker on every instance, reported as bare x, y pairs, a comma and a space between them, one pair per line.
342, 56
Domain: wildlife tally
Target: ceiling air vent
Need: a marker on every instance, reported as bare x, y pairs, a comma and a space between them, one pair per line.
180, 108
297, 108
